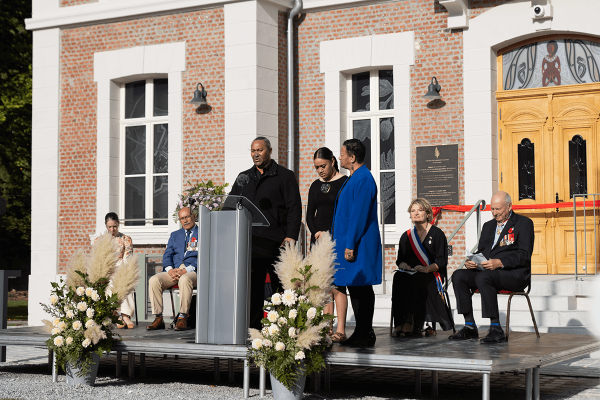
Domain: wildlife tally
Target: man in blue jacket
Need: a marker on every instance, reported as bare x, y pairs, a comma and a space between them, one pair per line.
179, 268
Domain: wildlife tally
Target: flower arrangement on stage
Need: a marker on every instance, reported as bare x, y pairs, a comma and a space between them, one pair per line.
294, 334
83, 308
201, 193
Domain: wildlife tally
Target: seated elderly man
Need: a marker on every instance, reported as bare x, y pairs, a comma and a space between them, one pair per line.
179, 268
507, 243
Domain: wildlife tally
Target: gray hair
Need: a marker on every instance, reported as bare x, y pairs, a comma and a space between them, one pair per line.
505, 197
264, 139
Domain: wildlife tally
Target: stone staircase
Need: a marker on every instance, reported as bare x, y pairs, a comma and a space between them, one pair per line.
560, 303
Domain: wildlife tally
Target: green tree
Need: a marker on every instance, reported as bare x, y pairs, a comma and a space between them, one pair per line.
15, 132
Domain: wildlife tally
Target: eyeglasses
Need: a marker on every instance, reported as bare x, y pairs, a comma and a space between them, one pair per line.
185, 218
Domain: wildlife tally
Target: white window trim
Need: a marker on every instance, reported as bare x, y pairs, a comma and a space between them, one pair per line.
371, 116
342, 58
149, 122
111, 69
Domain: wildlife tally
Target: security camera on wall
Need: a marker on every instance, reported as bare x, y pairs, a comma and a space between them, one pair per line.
541, 11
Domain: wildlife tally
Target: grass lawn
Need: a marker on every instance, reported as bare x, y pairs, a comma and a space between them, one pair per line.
17, 310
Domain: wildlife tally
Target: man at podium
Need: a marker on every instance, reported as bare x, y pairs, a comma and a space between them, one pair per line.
274, 190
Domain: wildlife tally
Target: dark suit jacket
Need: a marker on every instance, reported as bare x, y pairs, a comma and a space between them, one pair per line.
516, 256
175, 253
277, 195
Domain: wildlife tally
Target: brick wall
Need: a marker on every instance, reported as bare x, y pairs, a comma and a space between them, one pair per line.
282, 88
203, 134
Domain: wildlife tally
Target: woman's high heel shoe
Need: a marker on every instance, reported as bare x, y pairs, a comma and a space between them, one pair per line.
124, 325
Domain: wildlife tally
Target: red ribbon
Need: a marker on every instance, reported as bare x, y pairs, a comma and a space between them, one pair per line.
467, 208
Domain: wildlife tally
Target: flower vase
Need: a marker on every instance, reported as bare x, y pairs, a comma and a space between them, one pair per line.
280, 392
87, 379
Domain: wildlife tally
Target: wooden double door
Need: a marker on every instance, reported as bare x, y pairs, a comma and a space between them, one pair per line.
548, 148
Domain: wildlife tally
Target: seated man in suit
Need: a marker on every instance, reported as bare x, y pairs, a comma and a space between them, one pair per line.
179, 268
507, 243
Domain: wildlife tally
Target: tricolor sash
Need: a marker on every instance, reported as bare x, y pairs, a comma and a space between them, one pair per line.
419, 250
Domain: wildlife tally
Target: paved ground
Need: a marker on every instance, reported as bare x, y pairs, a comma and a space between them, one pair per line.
574, 379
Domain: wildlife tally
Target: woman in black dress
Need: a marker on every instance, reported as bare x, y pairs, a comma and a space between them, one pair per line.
417, 291
319, 217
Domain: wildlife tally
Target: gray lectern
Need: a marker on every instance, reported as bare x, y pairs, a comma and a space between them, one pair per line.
225, 247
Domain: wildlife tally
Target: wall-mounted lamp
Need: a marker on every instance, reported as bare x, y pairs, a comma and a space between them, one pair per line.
199, 99
433, 93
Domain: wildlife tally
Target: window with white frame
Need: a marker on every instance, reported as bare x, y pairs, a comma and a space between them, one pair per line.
371, 120
144, 152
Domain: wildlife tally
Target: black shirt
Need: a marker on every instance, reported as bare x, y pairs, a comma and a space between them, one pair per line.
436, 247
276, 194
321, 201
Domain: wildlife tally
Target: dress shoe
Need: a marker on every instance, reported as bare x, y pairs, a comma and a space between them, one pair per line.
157, 324
495, 335
181, 324
467, 332
351, 339
367, 340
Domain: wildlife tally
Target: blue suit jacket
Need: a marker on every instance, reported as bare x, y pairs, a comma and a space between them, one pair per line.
355, 227
175, 254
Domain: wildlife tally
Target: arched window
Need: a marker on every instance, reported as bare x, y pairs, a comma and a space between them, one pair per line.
526, 162
577, 166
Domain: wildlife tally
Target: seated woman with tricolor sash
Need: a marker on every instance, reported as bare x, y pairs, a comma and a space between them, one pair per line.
417, 292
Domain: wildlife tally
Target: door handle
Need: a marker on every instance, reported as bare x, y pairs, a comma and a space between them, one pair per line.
557, 200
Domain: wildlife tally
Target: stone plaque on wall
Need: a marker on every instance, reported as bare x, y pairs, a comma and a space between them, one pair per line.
437, 174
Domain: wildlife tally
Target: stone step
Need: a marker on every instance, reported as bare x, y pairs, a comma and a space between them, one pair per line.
560, 305
543, 318
541, 285
519, 303
518, 317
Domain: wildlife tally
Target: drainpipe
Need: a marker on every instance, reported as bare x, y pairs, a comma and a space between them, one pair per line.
290, 71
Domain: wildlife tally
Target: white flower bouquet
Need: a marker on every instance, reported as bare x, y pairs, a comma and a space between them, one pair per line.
204, 193
294, 334
83, 309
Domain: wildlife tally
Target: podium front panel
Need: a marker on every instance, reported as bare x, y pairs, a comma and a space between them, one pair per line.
228, 279
203, 275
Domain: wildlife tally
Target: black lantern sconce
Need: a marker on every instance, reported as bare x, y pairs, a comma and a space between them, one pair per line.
199, 99
433, 92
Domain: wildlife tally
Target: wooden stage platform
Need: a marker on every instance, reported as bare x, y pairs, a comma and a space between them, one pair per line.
523, 351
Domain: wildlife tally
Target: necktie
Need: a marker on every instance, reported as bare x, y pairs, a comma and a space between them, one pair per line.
188, 234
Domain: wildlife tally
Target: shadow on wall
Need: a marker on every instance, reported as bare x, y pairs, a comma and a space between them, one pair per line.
436, 104
203, 109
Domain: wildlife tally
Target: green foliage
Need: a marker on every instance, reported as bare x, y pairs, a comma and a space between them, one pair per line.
17, 310
201, 193
15, 127
78, 332
294, 334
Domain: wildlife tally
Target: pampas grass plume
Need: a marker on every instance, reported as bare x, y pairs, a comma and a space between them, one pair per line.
77, 263
103, 259
287, 266
311, 336
94, 333
126, 279
253, 334
47, 326
322, 258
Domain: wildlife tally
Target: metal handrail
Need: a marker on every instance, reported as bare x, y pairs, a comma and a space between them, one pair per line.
584, 196
477, 208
